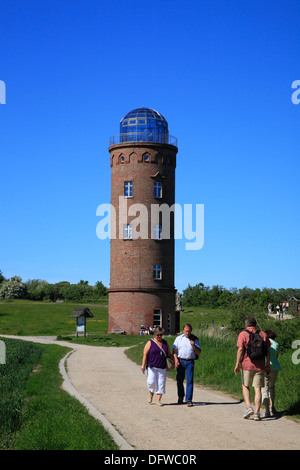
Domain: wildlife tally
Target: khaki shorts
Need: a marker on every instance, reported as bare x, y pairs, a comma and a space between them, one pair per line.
258, 377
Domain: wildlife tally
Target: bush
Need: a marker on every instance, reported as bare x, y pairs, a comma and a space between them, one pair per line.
13, 289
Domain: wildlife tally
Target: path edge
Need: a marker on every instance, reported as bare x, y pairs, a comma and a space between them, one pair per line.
68, 387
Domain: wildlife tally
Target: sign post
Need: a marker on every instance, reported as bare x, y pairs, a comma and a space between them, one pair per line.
81, 314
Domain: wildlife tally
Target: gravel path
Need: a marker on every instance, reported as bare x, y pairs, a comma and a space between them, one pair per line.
114, 389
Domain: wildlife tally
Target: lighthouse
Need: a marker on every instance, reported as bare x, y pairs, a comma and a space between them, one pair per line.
143, 162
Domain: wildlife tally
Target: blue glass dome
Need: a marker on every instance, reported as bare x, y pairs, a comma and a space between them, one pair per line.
144, 125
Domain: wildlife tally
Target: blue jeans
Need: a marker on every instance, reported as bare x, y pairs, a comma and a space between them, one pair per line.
185, 368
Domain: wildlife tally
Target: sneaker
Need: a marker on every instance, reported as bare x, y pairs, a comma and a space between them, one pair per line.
273, 411
248, 412
256, 417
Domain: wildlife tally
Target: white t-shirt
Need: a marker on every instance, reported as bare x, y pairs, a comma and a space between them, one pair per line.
184, 348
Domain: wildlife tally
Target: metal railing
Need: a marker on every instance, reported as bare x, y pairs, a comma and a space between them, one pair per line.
143, 137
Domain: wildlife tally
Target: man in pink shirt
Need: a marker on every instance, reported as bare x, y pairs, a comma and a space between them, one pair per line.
252, 368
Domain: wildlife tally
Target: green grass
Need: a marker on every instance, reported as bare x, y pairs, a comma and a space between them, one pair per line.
200, 316
46, 417
52, 319
40, 415
20, 360
48, 318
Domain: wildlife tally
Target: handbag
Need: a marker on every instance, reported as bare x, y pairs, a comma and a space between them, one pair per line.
169, 360
170, 364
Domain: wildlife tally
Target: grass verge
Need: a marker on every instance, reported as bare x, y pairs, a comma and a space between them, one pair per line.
48, 417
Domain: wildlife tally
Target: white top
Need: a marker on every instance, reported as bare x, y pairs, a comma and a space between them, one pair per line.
184, 348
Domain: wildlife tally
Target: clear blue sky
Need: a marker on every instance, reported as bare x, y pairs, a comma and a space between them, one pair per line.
221, 74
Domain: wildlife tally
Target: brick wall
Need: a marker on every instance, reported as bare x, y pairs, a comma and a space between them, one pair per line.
132, 309
133, 293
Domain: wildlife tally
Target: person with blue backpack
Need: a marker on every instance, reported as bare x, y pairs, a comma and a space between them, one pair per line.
253, 357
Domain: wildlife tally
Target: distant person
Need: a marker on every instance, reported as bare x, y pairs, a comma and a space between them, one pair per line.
278, 311
186, 349
154, 360
142, 330
268, 391
270, 308
252, 368
284, 310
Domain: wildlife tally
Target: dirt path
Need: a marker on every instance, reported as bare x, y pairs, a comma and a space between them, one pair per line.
116, 387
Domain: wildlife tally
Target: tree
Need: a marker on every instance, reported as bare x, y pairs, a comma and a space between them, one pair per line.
2, 278
13, 289
100, 290
35, 289
51, 292
224, 299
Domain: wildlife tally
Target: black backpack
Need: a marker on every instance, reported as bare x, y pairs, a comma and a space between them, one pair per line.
256, 348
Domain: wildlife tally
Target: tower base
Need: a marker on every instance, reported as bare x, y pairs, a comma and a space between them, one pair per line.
132, 309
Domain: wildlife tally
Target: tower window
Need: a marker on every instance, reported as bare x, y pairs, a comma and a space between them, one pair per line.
128, 188
157, 317
157, 272
127, 232
157, 232
157, 189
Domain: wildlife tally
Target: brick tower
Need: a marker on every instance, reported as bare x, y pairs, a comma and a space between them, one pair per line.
143, 161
